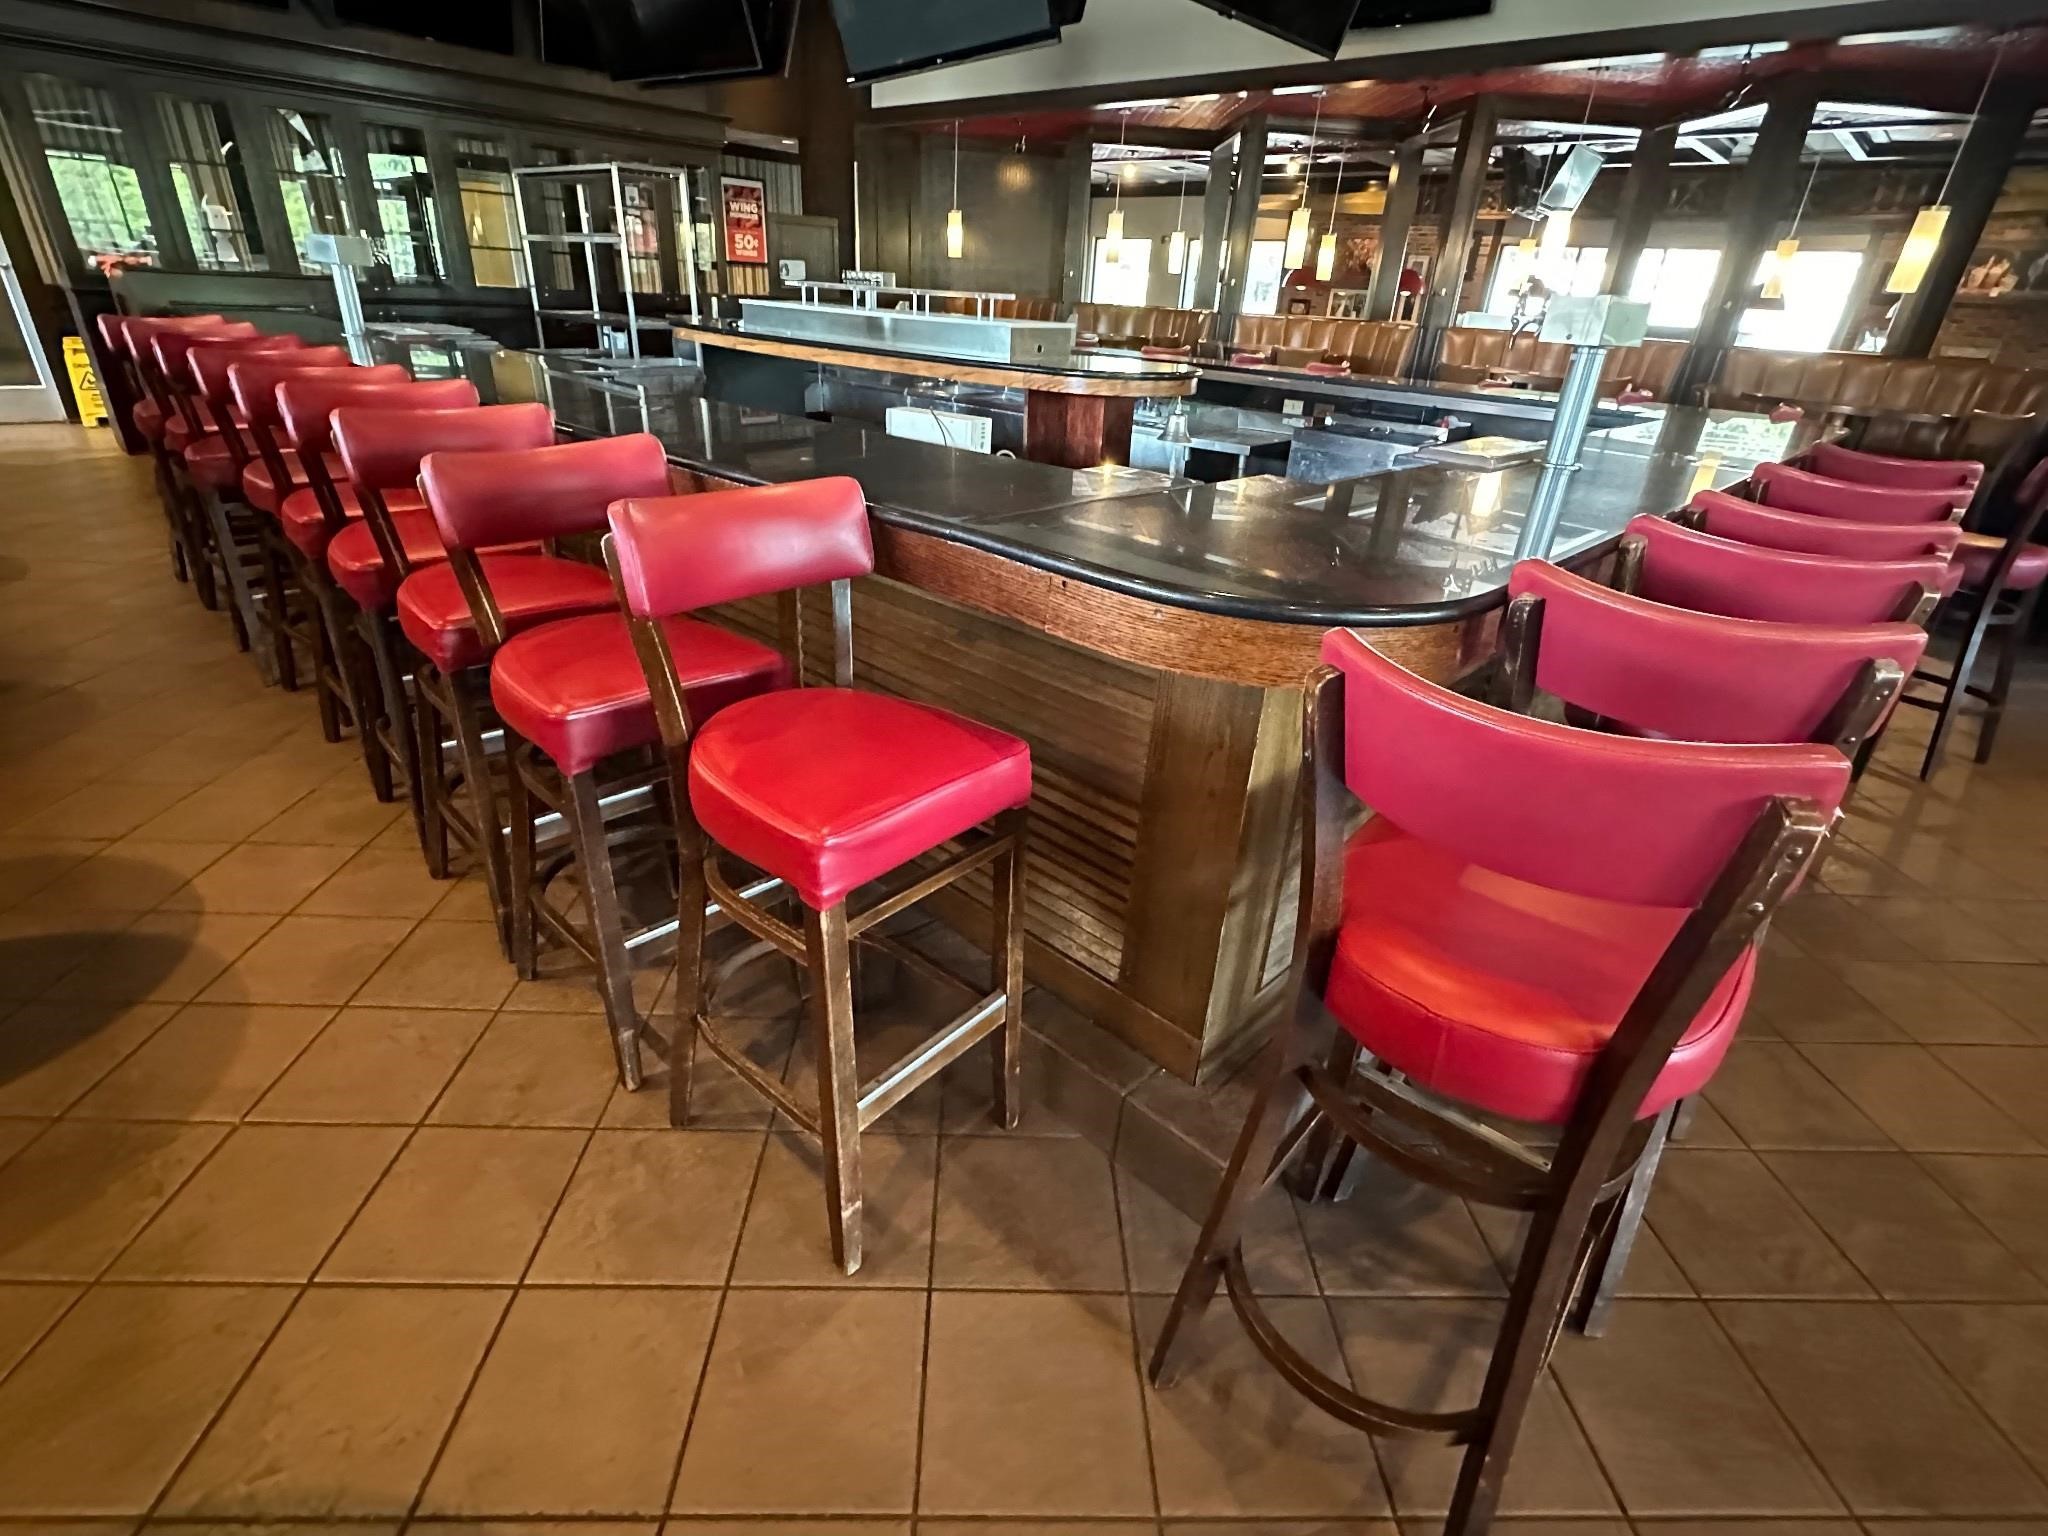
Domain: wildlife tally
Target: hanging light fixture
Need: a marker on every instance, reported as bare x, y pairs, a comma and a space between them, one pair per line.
956, 234
1553, 248
1177, 242
1326, 252
1113, 236
1923, 240
1773, 290
1295, 252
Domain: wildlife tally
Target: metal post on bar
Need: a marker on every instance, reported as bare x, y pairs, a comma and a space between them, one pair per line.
342, 254
1591, 327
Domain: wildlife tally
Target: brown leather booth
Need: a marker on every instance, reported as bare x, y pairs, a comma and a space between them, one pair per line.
1472, 354
1378, 348
1145, 325
1946, 407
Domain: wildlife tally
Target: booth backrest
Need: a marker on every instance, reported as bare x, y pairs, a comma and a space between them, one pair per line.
1472, 352
1984, 401
1375, 347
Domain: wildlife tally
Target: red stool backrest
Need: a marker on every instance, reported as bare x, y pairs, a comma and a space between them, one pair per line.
1693, 676
1614, 818
1797, 490
253, 381
1840, 463
306, 402
210, 368
171, 350
678, 553
1730, 517
382, 449
1695, 570
481, 499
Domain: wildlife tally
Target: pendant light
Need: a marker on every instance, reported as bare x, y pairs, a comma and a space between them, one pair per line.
1923, 240
1177, 242
1553, 247
1326, 252
1295, 253
1773, 290
1113, 237
956, 236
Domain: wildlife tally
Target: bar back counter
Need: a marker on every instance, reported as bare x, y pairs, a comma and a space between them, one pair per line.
1148, 637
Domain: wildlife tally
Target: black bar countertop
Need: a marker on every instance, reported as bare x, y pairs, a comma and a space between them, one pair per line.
1117, 367
1411, 546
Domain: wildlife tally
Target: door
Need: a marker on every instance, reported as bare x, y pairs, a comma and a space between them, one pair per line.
810, 238
28, 391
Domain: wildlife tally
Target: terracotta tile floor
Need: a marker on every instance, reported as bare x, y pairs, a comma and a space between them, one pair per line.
311, 1219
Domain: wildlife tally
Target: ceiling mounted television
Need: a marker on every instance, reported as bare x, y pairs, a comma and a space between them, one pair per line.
1317, 25
676, 40
1402, 13
883, 38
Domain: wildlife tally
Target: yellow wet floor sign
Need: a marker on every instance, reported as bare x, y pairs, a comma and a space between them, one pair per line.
85, 383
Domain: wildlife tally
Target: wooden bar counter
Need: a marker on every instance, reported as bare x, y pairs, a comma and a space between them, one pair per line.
1148, 637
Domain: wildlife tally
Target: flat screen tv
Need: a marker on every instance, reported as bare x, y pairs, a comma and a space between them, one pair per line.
1401, 13
1574, 179
1317, 25
896, 37
677, 40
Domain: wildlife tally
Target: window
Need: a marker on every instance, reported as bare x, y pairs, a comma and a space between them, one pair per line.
1675, 284
1127, 279
1262, 274
89, 162
554, 207
1191, 265
1579, 271
403, 184
211, 183
311, 176
1817, 289
489, 214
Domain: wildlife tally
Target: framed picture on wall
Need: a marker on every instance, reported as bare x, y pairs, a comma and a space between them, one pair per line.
746, 221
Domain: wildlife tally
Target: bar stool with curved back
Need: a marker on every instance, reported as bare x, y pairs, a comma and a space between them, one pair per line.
828, 789
1665, 563
291, 622
1577, 953
1958, 476
458, 612
159, 417
308, 519
2001, 584
214, 466
1799, 490
580, 732
1801, 533
371, 557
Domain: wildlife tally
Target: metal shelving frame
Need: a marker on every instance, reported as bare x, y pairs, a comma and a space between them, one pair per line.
591, 240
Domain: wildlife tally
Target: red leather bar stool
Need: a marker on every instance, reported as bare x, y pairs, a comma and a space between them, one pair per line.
1577, 954
458, 612
157, 408
1798, 490
1960, 477
309, 517
2001, 584
1688, 569
581, 737
213, 466
370, 557
828, 790
291, 621
1745, 522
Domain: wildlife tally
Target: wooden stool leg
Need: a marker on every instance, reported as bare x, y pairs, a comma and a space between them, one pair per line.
522, 859
1602, 1282
827, 943
682, 1044
284, 661
395, 742
607, 925
470, 691
433, 771
1006, 960
1282, 1098
240, 589
1956, 690
2001, 679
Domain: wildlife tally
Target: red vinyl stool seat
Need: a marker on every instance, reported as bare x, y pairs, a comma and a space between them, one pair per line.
259, 490
306, 525
576, 689
1979, 554
211, 464
148, 418
357, 564
1497, 992
829, 788
530, 590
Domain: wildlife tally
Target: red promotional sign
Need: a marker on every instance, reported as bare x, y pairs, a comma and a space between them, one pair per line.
746, 221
